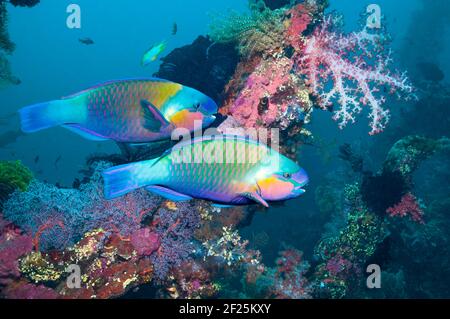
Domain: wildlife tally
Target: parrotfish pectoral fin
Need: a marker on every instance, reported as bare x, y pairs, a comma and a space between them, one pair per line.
255, 197
168, 193
87, 134
153, 119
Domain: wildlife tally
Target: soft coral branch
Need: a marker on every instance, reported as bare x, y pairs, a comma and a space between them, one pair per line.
350, 70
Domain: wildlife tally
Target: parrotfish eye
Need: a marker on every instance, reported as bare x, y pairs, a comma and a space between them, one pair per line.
287, 175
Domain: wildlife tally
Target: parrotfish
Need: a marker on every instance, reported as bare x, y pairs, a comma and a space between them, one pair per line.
129, 111
152, 54
227, 170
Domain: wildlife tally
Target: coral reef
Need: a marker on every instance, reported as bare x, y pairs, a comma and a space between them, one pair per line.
58, 217
260, 32
373, 229
230, 248
192, 280
264, 91
286, 280
24, 3
289, 279
13, 245
283, 62
407, 206
118, 244
13, 175
344, 255
271, 97
175, 225
407, 153
6, 45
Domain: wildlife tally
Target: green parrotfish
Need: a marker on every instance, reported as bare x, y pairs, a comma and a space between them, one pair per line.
152, 54
227, 170
129, 111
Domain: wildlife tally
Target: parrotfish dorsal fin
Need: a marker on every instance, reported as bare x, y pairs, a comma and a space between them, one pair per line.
153, 119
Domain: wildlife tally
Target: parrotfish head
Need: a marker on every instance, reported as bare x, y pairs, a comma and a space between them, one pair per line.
188, 108
285, 183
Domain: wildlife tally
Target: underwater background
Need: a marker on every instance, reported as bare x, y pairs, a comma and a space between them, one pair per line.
371, 199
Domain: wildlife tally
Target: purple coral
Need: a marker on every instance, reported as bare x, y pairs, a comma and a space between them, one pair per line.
59, 217
145, 242
176, 230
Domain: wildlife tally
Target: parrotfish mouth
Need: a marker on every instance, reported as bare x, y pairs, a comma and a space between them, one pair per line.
209, 119
300, 188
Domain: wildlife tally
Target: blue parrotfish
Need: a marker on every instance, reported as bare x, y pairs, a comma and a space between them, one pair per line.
129, 111
227, 170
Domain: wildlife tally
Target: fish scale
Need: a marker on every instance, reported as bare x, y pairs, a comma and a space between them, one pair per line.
216, 175
123, 101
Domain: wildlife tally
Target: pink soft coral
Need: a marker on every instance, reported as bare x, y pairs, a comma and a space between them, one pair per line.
407, 206
254, 106
350, 69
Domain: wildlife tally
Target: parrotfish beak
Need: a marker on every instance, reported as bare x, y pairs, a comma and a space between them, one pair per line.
208, 107
301, 179
208, 120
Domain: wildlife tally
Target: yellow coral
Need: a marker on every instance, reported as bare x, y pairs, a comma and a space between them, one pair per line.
38, 269
171, 205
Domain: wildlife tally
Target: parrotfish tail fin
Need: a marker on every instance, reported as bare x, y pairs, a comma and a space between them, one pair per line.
122, 179
48, 114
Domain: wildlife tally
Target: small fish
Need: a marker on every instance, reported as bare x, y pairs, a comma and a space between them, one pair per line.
36, 159
152, 54
87, 41
268, 176
129, 111
174, 28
